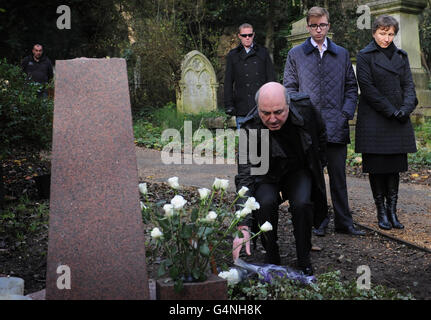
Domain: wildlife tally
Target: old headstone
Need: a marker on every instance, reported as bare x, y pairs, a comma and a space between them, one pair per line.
197, 90
96, 234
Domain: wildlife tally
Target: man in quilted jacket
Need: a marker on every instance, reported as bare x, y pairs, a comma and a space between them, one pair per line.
322, 69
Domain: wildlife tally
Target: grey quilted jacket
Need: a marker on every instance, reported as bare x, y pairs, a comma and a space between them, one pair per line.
329, 81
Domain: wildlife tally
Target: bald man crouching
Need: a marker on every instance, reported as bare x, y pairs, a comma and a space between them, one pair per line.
297, 141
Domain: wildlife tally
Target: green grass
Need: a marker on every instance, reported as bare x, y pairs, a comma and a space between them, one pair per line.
149, 126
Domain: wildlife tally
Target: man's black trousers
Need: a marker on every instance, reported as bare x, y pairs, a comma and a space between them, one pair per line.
295, 186
337, 154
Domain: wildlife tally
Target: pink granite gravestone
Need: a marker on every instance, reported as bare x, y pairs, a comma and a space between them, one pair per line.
96, 235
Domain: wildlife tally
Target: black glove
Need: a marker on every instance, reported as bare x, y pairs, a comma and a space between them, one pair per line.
401, 116
230, 111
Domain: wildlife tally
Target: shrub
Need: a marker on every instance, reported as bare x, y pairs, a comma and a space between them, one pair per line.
22, 221
423, 142
25, 117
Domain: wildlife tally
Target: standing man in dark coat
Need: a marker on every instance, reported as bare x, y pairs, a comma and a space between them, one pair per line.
248, 67
323, 70
37, 66
297, 142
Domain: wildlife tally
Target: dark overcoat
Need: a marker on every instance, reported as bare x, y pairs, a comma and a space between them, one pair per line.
330, 81
245, 74
386, 86
312, 133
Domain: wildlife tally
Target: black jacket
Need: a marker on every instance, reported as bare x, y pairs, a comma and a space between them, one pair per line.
313, 138
245, 74
39, 71
386, 86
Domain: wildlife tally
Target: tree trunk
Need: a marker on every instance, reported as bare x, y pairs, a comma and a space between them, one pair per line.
269, 40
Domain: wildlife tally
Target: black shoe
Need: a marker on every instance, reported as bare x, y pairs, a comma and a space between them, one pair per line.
307, 271
350, 230
319, 232
273, 259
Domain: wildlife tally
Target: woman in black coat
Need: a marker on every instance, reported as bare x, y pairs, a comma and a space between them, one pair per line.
384, 133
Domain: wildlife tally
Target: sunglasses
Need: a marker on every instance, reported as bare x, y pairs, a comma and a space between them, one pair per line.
245, 35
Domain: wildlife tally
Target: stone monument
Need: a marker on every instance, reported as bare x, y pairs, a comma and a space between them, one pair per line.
406, 12
197, 90
96, 234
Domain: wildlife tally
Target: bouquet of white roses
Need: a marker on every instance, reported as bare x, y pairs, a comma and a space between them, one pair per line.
186, 237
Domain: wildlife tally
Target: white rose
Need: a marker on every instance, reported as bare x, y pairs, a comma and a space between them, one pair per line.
142, 206
252, 204
242, 191
156, 233
173, 183
245, 211
266, 227
204, 193
238, 214
211, 216
216, 184
169, 210
178, 202
224, 184
220, 184
232, 276
143, 188
242, 213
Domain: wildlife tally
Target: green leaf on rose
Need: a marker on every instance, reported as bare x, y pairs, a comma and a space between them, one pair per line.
204, 250
194, 215
174, 272
161, 270
196, 273
186, 232
178, 285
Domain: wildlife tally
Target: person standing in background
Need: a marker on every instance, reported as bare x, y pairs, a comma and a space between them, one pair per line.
384, 133
323, 70
248, 67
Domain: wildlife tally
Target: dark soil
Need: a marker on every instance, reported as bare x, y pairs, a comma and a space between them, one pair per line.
392, 264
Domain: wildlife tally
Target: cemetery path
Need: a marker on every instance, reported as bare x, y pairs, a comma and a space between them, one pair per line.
414, 198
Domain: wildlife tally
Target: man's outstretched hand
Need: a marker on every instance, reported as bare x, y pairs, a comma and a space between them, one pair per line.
238, 242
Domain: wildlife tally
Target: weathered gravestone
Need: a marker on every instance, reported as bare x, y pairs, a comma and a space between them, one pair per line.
198, 85
96, 235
